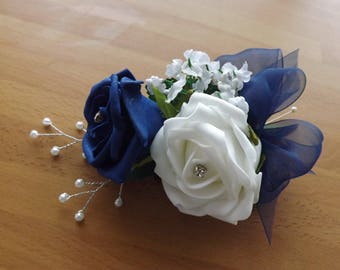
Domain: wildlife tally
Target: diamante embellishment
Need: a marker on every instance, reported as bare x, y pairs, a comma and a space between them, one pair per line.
98, 117
200, 171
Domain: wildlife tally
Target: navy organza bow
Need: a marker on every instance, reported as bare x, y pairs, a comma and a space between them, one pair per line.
290, 147
121, 125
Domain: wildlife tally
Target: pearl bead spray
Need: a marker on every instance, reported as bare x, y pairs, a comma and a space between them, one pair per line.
79, 183
55, 150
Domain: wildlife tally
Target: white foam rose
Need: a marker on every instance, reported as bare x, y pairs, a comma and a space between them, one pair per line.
206, 161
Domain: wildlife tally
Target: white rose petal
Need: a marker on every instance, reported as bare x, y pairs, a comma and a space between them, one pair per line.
224, 87
240, 102
227, 95
212, 134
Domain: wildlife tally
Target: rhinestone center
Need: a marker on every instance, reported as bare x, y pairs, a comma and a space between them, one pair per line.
98, 118
200, 171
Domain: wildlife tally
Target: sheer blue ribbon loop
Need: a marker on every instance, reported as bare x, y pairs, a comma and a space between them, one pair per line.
288, 146
291, 59
258, 59
271, 91
286, 84
291, 148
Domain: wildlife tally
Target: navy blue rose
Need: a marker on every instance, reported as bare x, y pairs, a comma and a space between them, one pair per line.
121, 125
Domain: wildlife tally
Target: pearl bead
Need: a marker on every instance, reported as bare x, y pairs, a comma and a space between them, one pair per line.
63, 197
83, 155
55, 151
80, 125
34, 134
79, 216
79, 183
294, 109
46, 122
119, 202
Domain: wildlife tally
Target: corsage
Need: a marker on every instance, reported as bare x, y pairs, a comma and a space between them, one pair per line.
208, 130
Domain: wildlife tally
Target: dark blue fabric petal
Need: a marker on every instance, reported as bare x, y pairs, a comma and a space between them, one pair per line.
119, 171
95, 152
121, 127
113, 103
291, 148
130, 122
98, 97
270, 91
125, 73
258, 59
95, 143
143, 112
95, 146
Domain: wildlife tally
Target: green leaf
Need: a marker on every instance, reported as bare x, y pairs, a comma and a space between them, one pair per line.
147, 91
142, 169
189, 63
142, 162
261, 162
169, 82
182, 97
190, 81
168, 110
252, 136
152, 97
211, 89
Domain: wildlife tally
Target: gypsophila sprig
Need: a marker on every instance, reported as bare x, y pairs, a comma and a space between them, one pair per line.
197, 73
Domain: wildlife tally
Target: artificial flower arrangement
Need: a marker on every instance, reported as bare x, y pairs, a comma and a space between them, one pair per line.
204, 130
